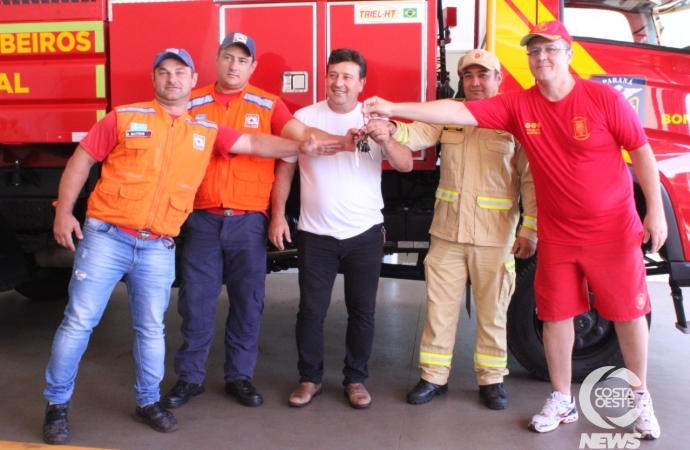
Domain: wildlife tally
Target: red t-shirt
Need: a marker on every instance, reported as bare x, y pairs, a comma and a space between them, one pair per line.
281, 114
583, 186
102, 138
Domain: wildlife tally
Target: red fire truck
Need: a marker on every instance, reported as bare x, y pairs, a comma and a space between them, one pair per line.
65, 63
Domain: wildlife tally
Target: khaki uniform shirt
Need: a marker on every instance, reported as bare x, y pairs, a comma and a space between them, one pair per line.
484, 173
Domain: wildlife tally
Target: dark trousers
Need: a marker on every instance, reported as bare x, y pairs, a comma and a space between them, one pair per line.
217, 249
319, 258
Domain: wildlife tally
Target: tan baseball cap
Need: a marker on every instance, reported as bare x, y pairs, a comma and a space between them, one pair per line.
481, 58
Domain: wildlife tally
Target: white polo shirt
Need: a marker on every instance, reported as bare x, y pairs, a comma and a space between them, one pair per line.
338, 198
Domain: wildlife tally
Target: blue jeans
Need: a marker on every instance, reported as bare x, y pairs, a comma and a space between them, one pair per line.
105, 256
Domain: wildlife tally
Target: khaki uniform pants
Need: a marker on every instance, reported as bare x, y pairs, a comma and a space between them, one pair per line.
493, 281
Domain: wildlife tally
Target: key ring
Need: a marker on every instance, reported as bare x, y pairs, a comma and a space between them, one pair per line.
362, 146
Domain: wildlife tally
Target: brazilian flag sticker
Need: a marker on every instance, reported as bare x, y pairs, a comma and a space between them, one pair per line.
410, 13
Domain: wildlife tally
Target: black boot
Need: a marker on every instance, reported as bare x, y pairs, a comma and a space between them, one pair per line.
494, 396
245, 392
424, 392
181, 393
55, 425
159, 418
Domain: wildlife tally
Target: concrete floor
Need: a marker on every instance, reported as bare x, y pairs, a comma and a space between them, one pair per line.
103, 401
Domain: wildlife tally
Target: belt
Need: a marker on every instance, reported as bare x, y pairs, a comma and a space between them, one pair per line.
143, 234
229, 212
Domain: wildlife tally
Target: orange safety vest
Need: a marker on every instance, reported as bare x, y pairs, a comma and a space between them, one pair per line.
149, 179
245, 181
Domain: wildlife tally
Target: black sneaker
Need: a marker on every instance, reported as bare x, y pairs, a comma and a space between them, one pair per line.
424, 392
158, 417
55, 425
245, 392
181, 393
494, 396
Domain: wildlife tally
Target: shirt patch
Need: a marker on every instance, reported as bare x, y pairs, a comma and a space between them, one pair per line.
580, 131
137, 126
533, 128
251, 121
199, 141
138, 133
200, 116
453, 129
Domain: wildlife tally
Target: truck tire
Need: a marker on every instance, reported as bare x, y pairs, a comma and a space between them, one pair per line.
596, 342
52, 284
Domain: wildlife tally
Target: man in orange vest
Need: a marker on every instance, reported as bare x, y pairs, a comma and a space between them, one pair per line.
154, 156
226, 234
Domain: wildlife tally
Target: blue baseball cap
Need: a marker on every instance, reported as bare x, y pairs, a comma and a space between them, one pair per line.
178, 53
236, 38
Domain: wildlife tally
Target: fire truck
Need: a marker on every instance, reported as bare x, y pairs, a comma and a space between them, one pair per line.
65, 63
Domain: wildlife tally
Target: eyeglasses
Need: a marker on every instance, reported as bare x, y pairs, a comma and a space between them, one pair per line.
548, 49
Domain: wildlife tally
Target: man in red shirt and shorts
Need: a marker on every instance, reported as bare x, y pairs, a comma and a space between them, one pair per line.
589, 233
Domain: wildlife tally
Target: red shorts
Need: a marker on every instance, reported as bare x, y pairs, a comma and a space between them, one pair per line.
614, 271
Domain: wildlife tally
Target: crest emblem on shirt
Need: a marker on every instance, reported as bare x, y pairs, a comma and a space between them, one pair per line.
251, 121
199, 141
580, 131
200, 117
533, 127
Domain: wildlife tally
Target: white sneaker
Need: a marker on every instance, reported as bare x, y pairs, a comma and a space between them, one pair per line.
558, 409
646, 424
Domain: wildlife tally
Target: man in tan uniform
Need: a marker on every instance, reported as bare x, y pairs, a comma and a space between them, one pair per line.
483, 175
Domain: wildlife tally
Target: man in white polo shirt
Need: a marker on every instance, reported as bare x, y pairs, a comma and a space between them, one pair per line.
341, 226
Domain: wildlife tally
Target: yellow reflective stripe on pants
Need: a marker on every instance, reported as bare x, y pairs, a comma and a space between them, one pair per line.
510, 266
446, 195
503, 204
529, 222
437, 359
490, 361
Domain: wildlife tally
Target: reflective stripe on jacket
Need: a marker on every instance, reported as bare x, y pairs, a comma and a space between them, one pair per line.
483, 174
245, 181
150, 178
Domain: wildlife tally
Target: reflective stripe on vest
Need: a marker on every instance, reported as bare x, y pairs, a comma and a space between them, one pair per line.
484, 360
435, 359
503, 204
196, 102
510, 266
529, 222
136, 109
446, 195
262, 102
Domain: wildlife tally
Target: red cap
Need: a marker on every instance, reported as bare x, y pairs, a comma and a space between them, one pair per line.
553, 31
